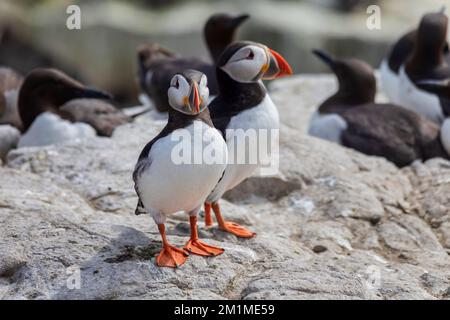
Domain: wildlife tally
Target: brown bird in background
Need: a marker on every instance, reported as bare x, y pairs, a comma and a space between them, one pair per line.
158, 65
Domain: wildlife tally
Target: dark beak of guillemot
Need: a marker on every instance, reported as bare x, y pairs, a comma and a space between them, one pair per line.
277, 67
194, 98
327, 59
238, 20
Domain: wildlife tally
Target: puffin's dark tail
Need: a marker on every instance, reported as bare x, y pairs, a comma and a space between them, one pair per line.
140, 208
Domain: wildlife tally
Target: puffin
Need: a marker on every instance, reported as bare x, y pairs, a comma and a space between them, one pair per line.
157, 65
10, 123
242, 105
427, 62
356, 86
398, 55
166, 184
55, 108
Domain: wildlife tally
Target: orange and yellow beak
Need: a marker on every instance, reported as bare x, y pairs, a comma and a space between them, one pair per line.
194, 98
277, 67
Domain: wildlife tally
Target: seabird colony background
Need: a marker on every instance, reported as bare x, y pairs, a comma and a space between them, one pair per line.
388, 58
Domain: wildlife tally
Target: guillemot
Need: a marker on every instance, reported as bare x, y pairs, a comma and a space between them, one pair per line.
165, 186
9, 135
385, 130
395, 133
55, 108
242, 104
10, 123
10, 82
398, 55
157, 65
427, 61
356, 86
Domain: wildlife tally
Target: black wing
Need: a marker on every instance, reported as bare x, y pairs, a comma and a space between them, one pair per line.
142, 164
221, 114
384, 130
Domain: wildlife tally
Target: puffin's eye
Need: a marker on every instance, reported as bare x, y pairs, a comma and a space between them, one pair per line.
250, 55
175, 83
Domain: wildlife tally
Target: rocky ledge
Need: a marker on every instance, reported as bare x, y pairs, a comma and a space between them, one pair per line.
332, 224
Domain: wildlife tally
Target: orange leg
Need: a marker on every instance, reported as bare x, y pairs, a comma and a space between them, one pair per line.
231, 227
170, 256
208, 218
195, 246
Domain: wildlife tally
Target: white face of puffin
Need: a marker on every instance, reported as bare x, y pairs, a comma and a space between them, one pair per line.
254, 62
248, 64
188, 96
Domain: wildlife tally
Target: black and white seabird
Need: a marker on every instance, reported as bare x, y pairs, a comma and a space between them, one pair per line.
10, 82
10, 122
398, 55
9, 135
163, 184
384, 130
395, 133
356, 86
427, 62
157, 65
242, 104
55, 108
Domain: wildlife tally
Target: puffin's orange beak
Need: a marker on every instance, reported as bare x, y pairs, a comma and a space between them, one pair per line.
278, 66
194, 98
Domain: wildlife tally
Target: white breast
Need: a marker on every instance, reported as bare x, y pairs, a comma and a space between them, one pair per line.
389, 81
49, 128
327, 126
418, 100
445, 135
166, 187
264, 116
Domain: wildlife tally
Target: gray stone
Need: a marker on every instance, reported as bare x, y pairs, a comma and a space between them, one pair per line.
69, 209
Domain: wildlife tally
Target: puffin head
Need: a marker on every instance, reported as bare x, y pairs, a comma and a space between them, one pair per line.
356, 78
247, 62
188, 92
220, 30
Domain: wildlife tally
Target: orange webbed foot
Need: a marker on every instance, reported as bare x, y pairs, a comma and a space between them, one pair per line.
237, 230
200, 248
171, 256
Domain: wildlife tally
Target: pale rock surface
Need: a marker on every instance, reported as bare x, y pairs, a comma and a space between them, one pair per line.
333, 223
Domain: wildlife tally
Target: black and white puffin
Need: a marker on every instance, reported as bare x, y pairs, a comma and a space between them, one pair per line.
242, 104
164, 184
427, 62
157, 65
356, 86
398, 55
55, 108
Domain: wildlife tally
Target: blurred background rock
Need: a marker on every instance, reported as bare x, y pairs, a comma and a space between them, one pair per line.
102, 53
